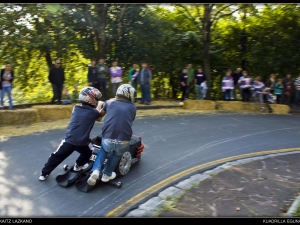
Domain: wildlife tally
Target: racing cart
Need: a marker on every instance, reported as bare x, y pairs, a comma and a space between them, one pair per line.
79, 178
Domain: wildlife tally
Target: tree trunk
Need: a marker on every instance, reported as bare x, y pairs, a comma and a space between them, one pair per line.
101, 39
244, 44
206, 30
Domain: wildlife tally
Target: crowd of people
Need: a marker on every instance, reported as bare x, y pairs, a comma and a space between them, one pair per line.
251, 89
100, 76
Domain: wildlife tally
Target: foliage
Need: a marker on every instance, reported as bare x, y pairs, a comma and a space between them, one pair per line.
33, 35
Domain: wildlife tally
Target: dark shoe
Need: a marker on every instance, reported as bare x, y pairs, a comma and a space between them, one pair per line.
271, 111
141, 102
147, 103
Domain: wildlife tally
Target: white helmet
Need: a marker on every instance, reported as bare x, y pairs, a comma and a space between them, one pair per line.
90, 95
126, 91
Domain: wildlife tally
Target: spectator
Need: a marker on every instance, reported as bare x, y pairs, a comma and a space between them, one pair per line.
231, 75
6, 79
204, 89
75, 94
245, 85
132, 75
57, 79
115, 75
191, 77
297, 90
103, 73
66, 97
227, 86
258, 89
144, 77
288, 95
93, 74
199, 78
269, 98
278, 91
287, 81
183, 78
271, 83
236, 76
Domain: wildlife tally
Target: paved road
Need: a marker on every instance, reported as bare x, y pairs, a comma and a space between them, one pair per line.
172, 144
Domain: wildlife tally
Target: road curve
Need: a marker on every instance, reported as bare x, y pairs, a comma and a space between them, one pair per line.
172, 144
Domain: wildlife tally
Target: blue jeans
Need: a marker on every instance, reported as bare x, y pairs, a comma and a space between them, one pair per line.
113, 151
115, 87
102, 87
228, 94
8, 91
66, 102
199, 93
146, 96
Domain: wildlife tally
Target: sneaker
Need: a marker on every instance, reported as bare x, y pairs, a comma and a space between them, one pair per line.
181, 103
262, 109
106, 178
42, 177
78, 168
93, 178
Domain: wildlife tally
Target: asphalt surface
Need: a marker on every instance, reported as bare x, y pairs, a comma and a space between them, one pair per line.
172, 144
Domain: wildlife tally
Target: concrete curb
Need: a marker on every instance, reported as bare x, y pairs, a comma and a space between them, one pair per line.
169, 196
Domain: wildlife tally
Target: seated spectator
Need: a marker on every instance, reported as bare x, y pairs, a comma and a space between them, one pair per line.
257, 92
66, 97
269, 98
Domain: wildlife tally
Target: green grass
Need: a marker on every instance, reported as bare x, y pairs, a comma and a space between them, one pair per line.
297, 212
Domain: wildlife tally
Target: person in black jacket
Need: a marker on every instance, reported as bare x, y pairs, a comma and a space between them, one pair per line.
6, 79
93, 74
57, 79
183, 78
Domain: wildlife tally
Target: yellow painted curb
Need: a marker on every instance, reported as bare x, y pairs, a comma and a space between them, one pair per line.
121, 209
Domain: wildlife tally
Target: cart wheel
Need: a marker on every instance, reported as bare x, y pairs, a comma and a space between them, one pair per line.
65, 167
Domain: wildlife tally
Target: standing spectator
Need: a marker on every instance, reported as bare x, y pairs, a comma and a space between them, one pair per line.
236, 76
271, 83
66, 97
199, 78
57, 79
75, 94
191, 77
132, 75
278, 91
231, 75
288, 95
204, 89
245, 85
287, 81
6, 79
297, 90
227, 86
115, 77
103, 73
183, 78
93, 74
258, 89
144, 77
269, 98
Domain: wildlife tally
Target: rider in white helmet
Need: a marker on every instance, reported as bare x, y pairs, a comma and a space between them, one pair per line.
119, 114
77, 136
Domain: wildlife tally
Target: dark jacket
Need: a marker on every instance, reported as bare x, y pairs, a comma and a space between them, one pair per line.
236, 76
183, 77
57, 76
287, 82
92, 74
1, 77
